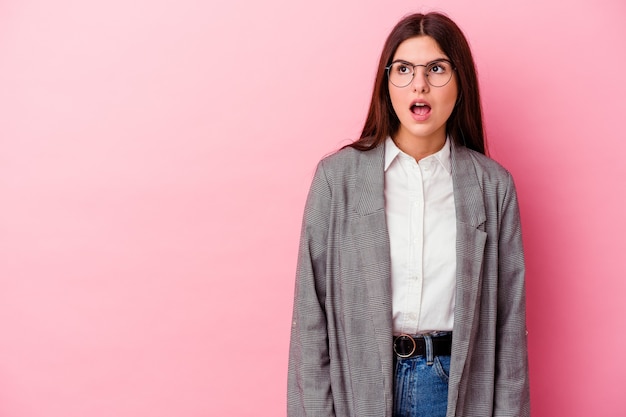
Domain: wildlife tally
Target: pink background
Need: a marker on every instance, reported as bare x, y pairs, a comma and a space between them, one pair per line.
154, 161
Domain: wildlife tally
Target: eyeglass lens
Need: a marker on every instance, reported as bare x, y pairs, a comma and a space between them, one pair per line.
437, 73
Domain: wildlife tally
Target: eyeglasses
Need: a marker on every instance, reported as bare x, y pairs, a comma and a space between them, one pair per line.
438, 73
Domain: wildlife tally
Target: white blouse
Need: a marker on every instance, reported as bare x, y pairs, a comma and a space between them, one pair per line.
421, 219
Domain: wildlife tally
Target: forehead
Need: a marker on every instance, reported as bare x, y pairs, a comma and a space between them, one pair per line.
419, 49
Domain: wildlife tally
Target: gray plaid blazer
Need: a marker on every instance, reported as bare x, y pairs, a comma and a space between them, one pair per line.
340, 358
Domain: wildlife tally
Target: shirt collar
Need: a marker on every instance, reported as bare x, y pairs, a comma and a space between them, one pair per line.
442, 155
391, 152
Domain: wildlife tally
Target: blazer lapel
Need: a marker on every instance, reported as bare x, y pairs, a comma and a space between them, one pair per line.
470, 246
373, 248
370, 184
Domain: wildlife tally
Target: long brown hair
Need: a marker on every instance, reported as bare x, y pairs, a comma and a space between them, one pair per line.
465, 124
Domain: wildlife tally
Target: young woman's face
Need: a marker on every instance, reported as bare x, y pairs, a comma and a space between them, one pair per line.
421, 108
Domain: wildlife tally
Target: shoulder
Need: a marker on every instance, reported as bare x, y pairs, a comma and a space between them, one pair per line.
347, 162
473, 170
485, 167
348, 155
489, 165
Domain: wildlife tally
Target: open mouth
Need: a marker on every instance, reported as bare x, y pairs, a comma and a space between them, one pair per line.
420, 109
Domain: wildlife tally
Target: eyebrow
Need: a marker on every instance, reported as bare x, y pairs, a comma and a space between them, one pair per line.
404, 61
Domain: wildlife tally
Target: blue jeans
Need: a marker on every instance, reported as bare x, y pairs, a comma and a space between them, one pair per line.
421, 385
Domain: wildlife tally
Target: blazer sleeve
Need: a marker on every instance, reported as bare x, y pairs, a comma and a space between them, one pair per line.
309, 389
512, 396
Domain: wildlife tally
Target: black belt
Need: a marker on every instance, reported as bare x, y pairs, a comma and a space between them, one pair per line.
406, 346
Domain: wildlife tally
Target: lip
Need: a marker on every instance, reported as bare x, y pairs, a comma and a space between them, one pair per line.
420, 117
420, 101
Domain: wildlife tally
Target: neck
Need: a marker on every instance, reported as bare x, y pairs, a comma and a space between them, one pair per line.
420, 147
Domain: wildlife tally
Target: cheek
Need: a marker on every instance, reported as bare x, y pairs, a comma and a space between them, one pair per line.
449, 97
452, 99
396, 99
454, 89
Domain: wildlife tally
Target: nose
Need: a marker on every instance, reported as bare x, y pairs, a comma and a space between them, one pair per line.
419, 81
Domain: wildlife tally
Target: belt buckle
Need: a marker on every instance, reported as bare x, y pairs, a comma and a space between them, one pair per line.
404, 335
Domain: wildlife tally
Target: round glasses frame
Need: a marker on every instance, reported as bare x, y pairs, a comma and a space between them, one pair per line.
427, 68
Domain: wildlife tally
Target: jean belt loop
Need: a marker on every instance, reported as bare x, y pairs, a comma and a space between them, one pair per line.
428, 341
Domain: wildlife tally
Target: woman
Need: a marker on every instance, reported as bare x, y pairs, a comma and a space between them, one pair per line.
410, 295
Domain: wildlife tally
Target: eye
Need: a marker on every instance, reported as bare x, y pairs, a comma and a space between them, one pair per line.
403, 69
438, 68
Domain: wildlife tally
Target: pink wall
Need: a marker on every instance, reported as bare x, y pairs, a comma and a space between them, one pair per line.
155, 157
